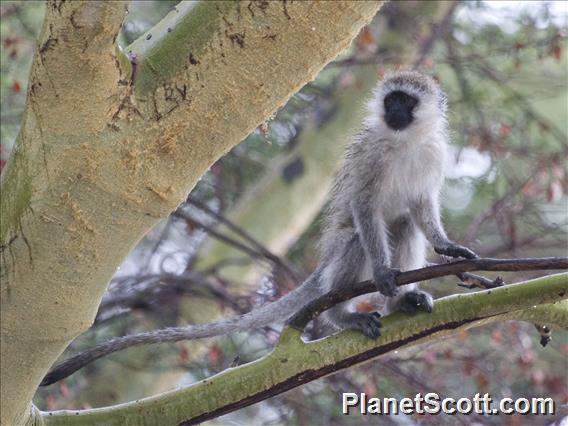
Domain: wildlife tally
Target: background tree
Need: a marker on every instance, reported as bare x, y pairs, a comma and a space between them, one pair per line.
506, 197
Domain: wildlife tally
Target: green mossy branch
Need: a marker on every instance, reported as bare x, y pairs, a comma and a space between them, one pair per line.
175, 42
294, 362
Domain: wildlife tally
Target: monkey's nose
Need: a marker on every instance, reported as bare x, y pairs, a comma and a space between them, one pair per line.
398, 118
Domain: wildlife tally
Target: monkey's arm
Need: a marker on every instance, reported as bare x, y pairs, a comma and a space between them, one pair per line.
373, 234
426, 213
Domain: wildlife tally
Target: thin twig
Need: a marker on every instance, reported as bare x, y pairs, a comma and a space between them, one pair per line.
471, 281
276, 260
438, 31
221, 237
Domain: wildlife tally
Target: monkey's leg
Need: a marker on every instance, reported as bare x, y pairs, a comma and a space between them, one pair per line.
345, 269
409, 253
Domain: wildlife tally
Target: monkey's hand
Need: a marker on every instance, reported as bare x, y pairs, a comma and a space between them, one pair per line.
411, 301
385, 280
455, 250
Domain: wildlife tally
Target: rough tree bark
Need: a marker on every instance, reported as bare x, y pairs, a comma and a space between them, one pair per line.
110, 143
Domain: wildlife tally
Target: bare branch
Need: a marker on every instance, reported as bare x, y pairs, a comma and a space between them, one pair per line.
260, 248
472, 281
438, 31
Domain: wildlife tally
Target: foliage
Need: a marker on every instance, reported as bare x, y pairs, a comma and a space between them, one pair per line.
506, 80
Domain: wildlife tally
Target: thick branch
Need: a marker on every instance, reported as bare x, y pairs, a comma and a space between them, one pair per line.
294, 362
46, 231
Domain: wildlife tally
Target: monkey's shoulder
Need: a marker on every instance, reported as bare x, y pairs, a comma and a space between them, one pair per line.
367, 148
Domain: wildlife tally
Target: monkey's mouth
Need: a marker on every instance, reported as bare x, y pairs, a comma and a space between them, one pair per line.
398, 120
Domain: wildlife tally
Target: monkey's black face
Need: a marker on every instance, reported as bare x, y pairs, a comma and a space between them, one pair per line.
399, 107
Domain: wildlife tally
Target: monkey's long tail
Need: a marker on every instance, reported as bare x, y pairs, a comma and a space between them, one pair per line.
275, 311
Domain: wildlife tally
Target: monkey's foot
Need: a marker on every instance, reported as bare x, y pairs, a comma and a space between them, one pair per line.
455, 250
414, 300
368, 323
385, 280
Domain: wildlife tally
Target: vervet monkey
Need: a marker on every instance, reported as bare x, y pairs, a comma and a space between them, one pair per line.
385, 201
383, 208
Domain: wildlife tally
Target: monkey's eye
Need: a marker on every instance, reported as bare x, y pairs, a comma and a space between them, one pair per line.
400, 99
411, 102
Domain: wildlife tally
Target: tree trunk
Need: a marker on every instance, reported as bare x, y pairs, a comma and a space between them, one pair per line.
110, 143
